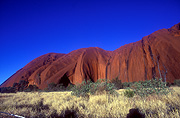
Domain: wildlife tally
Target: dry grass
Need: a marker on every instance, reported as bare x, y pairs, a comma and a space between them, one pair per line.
54, 104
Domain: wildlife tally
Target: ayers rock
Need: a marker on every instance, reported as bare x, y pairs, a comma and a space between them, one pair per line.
155, 55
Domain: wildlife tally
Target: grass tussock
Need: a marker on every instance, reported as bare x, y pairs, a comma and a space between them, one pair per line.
62, 104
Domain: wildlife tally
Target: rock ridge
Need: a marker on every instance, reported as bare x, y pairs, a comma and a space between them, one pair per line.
155, 55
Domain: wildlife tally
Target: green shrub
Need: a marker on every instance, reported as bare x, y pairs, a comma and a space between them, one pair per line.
177, 82
100, 86
81, 89
88, 87
58, 87
70, 87
15, 84
52, 87
128, 93
154, 86
22, 85
31, 88
127, 84
169, 84
117, 83
7, 90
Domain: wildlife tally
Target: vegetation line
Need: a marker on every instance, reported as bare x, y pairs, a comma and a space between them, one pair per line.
149, 98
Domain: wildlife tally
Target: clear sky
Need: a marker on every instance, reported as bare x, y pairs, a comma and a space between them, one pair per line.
31, 28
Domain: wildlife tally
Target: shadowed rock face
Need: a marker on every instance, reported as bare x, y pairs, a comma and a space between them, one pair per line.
155, 55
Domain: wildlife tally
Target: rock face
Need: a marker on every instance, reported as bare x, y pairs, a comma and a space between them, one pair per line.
155, 55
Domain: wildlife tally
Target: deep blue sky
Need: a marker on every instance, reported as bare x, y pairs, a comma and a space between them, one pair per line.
31, 28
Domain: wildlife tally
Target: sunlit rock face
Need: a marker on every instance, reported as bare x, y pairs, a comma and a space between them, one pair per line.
141, 60
155, 55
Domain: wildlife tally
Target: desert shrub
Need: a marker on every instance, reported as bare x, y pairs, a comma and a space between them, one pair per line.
22, 85
117, 83
127, 84
128, 93
169, 84
55, 87
88, 87
177, 82
58, 87
70, 87
101, 85
15, 84
7, 90
31, 88
154, 86
51, 86
81, 89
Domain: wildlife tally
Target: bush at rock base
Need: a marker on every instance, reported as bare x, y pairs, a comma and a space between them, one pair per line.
177, 82
127, 84
58, 87
31, 88
88, 87
117, 83
154, 86
7, 90
128, 93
